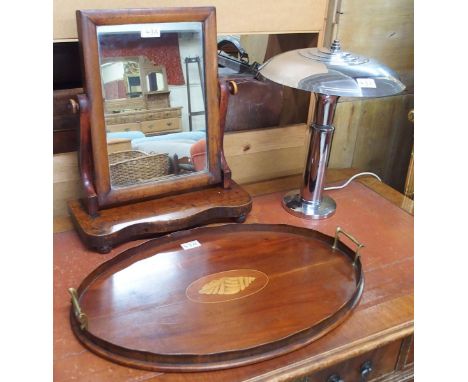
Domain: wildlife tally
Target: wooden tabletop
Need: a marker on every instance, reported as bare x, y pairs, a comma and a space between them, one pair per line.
377, 215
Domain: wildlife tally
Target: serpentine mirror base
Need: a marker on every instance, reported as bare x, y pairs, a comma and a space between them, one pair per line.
113, 226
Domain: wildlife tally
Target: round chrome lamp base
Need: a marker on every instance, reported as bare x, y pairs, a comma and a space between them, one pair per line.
295, 205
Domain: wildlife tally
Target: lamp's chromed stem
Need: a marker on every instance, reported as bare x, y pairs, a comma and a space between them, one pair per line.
309, 203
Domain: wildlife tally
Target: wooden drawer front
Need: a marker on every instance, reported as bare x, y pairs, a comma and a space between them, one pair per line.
64, 118
406, 359
410, 357
160, 125
135, 126
154, 115
383, 361
122, 119
120, 144
162, 114
171, 113
119, 119
126, 103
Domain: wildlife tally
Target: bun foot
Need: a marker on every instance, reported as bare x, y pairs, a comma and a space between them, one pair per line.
241, 218
104, 249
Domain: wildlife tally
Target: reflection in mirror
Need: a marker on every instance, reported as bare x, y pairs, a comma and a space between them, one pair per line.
152, 84
121, 79
155, 81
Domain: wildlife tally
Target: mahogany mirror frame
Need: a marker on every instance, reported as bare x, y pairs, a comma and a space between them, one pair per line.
106, 216
88, 21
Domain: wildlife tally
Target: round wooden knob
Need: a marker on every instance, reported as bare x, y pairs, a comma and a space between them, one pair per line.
74, 106
334, 378
366, 369
233, 87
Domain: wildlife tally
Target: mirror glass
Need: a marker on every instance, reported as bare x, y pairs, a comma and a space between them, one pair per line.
152, 79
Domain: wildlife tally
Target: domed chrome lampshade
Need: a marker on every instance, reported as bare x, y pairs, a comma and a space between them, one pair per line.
330, 73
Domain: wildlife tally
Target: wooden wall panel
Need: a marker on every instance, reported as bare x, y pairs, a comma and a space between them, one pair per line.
370, 135
252, 155
265, 154
346, 122
381, 29
254, 141
67, 185
374, 135
240, 16
400, 147
267, 165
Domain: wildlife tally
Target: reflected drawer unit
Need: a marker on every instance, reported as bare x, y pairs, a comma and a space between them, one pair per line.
161, 125
150, 122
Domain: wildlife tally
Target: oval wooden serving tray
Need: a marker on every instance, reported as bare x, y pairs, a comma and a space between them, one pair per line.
238, 295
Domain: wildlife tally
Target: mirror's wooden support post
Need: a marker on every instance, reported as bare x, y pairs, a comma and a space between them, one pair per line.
225, 89
85, 154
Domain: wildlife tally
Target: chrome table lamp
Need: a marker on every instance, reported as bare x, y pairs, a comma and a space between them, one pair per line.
329, 73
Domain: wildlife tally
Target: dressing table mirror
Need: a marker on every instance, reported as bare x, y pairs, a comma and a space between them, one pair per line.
151, 126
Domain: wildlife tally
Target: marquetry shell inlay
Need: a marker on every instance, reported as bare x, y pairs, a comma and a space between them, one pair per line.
227, 285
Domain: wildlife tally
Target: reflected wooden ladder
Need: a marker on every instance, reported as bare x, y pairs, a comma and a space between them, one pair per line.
191, 114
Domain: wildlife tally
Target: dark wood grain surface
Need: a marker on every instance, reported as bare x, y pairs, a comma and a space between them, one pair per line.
283, 287
384, 314
113, 226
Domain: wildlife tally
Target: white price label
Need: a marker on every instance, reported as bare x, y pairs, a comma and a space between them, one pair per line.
150, 31
366, 83
191, 244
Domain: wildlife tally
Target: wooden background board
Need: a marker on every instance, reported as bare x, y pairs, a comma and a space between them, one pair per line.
265, 154
67, 182
374, 135
371, 135
241, 16
382, 29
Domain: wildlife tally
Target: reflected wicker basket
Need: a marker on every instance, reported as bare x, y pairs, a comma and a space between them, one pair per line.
120, 156
140, 168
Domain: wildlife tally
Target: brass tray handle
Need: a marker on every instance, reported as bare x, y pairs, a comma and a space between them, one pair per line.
80, 316
350, 237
